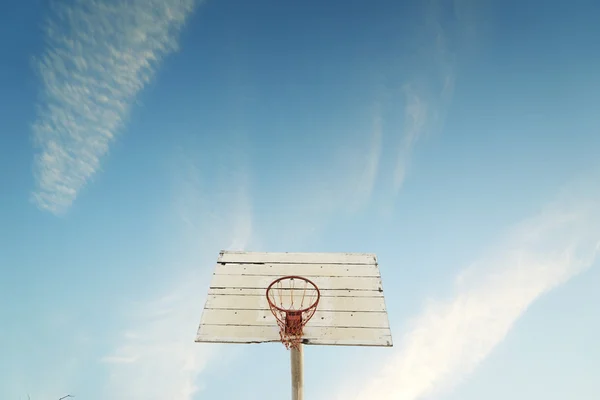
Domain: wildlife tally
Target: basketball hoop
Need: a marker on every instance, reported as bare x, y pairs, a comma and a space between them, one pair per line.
293, 301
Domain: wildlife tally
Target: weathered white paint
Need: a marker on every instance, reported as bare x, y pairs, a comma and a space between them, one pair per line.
325, 303
302, 258
351, 310
307, 270
324, 292
312, 335
325, 282
356, 319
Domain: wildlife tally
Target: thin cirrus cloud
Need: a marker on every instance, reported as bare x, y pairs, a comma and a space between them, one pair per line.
158, 348
97, 58
449, 339
158, 345
158, 341
213, 212
427, 95
364, 168
415, 117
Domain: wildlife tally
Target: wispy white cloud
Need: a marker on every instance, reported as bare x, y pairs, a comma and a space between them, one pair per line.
215, 210
451, 337
362, 180
119, 359
157, 345
99, 54
242, 226
157, 357
304, 206
429, 91
415, 117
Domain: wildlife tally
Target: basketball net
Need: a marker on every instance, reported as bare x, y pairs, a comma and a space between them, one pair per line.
293, 301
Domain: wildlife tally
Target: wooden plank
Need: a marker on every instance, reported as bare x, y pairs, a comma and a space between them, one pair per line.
312, 335
307, 270
238, 302
300, 258
258, 282
346, 319
324, 293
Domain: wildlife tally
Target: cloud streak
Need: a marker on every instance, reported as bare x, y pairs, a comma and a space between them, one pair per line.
215, 212
157, 357
98, 56
158, 345
428, 93
362, 182
451, 338
415, 117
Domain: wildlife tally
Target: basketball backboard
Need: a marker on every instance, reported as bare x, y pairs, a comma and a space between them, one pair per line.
351, 310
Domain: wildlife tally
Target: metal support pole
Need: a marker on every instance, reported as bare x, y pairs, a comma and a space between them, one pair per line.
297, 359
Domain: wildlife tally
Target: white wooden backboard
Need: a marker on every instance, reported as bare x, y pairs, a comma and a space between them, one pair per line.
351, 310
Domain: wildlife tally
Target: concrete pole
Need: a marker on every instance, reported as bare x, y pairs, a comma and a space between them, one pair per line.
297, 359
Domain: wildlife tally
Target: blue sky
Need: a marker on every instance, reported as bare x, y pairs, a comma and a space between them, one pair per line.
457, 140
